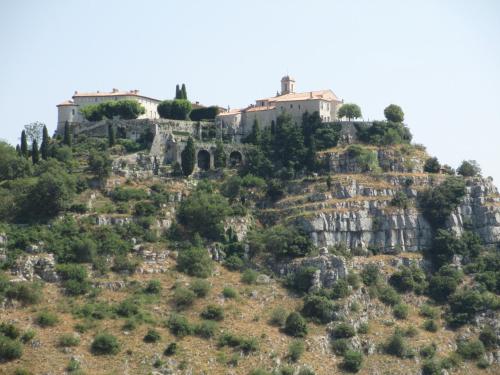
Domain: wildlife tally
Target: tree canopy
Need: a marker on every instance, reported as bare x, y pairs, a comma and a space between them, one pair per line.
350, 111
394, 113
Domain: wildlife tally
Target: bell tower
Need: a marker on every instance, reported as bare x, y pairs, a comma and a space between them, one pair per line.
287, 85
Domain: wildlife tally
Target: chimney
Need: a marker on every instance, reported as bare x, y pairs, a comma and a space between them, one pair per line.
115, 90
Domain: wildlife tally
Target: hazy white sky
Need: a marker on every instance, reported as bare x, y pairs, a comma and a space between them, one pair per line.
439, 60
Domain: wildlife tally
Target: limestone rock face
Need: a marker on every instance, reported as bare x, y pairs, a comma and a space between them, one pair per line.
36, 266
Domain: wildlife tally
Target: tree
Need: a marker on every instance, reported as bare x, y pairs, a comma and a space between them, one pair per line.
349, 110
34, 131
184, 92
24, 144
178, 94
35, 153
469, 168
353, 361
432, 165
12, 165
111, 135
219, 155
44, 148
188, 157
67, 134
99, 164
295, 325
394, 113
254, 137
177, 109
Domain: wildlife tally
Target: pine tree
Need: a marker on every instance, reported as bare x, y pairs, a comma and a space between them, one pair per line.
67, 134
111, 135
178, 94
219, 155
184, 92
35, 153
24, 144
44, 148
188, 157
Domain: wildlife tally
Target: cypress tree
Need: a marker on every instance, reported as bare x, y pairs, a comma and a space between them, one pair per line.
18, 150
111, 135
219, 155
35, 153
188, 157
184, 94
178, 94
67, 134
255, 136
44, 148
24, 144
311, 155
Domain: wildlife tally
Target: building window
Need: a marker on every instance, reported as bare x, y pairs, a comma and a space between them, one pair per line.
291, 105
73, 111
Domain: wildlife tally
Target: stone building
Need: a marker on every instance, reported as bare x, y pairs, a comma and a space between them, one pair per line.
266, 110
69, 110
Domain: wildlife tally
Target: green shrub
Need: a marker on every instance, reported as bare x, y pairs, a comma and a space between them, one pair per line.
68, 340
200, 287
234, 263
431, 367
488, 337
127, 308
104, 344
183, 297
429, 312
152, 336
353, 361
229, 292
408, 279
370, 274
432, 165
306, 371
340, 289
400, 200
245, 344
431, 325
278, 316
464, 305
364, 328
179, 325
177, 109
295, 325
249, 276
24, 292
469, 168
302, 280
27, 336
171, 349
343, 331
22, 371
470, 349
354, 280
153, 287
340, 346
9, 330
483, 363
389, 296
73, 365
9, 349
195, 261
318, 308
212, 312
46, 319
259, 371
295, 350
206, 113
124, 264
206, 329
400, 311
396, 345
384, 133
366, 159
286, 242
124, 194
428, 351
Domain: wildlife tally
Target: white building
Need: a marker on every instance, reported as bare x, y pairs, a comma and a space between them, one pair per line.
69, 110
266, 110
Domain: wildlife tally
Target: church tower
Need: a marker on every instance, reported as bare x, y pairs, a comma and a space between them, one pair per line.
287, 85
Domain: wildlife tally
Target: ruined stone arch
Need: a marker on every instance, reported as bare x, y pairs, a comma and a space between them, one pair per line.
203, 158
235, 158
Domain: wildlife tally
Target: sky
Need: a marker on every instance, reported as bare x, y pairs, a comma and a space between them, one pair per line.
438, 59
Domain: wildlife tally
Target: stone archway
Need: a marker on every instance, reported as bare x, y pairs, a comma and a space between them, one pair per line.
235, 158
203, 160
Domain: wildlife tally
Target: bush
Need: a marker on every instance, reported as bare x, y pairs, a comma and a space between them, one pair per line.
370, 274
229, 292
212, 312
24, 292
127, 109
384, 133
9, 349
408, 279
104, 344
483, 363
46, 319
295, 350
428, 351
470, 349
68, 340
353, 361
318, 308
354, 280
278, 316
441, 287
363, 328
183, 297
249, 276
469, 168
195, 261
343, 331
200, 287
206, 329
127, 308
464, 305
22, 371
488, 337
286, 242
340, 289
389, 296
28, 336
432, 165
259, 371
179, 325
400, 200
124, 194
171, 349
429, 312
207, 113
431, 367
152, 336
153, 287
366, 159
340, 346
301, 281
431, 325
400, 311
9, 330
396, 345
177, 109
245, 344
234, 262
295, 325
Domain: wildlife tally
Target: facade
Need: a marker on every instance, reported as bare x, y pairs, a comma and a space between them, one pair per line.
69, 110
266, 110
